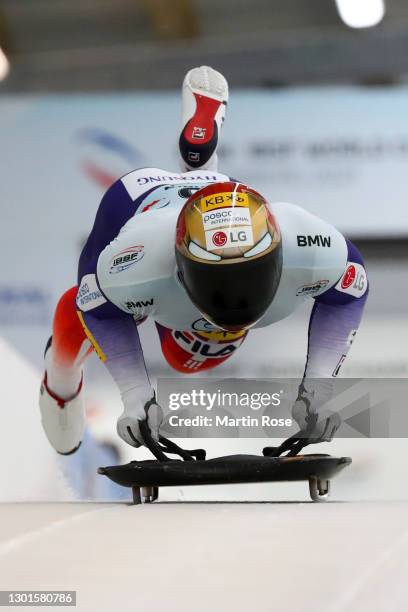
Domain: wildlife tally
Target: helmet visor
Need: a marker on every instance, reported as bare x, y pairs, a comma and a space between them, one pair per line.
232, 296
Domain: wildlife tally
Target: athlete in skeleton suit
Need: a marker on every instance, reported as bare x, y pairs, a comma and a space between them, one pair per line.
207, 258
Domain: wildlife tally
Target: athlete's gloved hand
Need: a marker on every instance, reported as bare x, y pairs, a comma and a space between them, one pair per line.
316, 423
140, 405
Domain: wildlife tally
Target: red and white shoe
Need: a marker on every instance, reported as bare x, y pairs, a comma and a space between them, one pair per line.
63, 420
204, 101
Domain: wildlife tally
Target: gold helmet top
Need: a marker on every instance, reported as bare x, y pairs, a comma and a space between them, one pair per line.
226, 223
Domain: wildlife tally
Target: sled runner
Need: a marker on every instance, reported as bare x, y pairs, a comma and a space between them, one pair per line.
145, 477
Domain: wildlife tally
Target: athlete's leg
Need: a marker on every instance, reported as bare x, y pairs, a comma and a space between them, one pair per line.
69, 347
204, 100
61, 398
194, 351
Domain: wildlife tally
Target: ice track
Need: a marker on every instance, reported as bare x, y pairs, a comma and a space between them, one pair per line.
196, 557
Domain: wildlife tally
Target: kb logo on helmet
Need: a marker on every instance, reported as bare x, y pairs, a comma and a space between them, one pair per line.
220, 200
233, 237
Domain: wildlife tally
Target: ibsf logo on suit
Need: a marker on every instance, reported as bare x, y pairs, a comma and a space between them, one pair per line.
126, 258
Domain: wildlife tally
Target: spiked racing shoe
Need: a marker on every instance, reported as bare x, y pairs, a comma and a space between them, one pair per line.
63, 420
204, 101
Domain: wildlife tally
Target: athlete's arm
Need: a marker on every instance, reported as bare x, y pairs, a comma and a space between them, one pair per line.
334, 321
112, 332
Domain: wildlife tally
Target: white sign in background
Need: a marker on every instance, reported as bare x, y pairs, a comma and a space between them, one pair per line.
340, 153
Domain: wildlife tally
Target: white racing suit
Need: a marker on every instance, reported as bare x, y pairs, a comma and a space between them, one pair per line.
127, 272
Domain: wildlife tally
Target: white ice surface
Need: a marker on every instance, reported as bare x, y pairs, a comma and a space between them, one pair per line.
29, 467
304, 557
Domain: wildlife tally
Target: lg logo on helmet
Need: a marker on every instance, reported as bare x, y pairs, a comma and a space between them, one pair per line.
234, 237
354, 280
219, 239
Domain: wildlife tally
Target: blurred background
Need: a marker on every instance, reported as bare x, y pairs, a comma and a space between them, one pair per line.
318, 116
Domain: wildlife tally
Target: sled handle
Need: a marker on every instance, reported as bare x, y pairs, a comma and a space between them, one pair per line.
188, 455
153, 446
158, 449
294, 445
